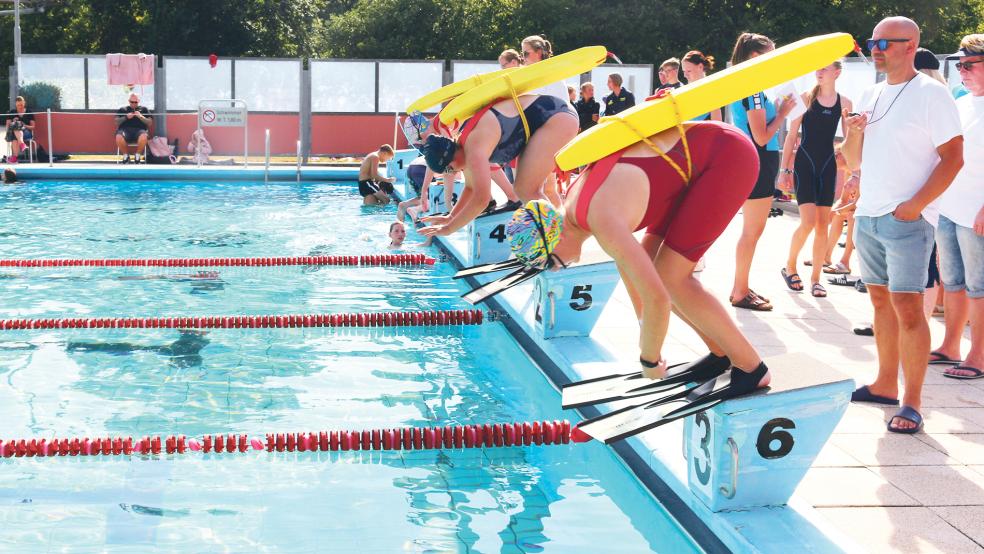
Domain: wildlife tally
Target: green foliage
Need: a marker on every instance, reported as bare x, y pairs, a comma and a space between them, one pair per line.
639, 31
41, 96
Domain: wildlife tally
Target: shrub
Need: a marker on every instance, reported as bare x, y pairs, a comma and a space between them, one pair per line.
41, 96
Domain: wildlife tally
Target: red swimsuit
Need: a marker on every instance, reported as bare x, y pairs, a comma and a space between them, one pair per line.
725, 168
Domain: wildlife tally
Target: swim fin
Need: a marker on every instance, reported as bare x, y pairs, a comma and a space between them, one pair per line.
630, 385
492, 288
488, 268
635, 419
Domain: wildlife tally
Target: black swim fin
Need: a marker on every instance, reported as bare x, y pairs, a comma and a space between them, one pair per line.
488, 268
492, 288
631, 385
632, 420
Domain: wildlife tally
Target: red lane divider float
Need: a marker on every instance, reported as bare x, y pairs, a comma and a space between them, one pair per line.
365, 260
405, 438
380, 319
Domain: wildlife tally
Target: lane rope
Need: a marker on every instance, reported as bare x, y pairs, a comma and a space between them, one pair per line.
377, 319
499, 435
363, 260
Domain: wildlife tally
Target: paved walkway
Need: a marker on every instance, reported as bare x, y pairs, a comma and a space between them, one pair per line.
887, 492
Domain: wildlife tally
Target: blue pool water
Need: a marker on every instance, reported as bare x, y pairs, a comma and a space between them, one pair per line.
571, 498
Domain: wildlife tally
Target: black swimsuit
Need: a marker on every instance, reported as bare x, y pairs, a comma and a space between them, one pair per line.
816, 166
512, 140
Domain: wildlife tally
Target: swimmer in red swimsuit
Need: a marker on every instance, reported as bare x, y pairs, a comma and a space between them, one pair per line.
496, 135
638, 188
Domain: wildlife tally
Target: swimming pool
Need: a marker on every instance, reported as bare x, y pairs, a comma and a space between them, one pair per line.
570, 498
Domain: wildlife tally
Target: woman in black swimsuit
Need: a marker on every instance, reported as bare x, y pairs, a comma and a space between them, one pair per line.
497, 134
813, 173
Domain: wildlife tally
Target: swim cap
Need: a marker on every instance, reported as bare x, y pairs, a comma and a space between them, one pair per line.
438, 152
414, 127
534, 232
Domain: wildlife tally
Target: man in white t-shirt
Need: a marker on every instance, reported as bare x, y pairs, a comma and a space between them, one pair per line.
960, 233
908, 146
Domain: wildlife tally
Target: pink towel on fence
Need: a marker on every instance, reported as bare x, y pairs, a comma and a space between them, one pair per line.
130, 69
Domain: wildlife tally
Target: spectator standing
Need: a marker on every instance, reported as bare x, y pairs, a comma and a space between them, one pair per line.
509, 58
587, 107
620, 99
960, 233
812, 171
695, 66
669, 74
908, 144
761, 120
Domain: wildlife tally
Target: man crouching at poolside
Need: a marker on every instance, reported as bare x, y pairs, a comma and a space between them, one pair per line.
374, 188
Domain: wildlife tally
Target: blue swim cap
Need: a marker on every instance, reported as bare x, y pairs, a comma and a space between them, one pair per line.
534, 232
438, 152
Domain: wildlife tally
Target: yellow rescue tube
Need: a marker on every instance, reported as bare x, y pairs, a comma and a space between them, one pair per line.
612, 134
523, 80
456, 88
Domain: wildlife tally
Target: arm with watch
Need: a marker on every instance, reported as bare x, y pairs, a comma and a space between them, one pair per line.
785, 181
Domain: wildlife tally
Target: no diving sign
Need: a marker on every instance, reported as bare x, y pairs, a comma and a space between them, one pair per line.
221, 117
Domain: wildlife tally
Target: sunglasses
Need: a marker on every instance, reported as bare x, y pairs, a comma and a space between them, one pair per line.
883, 43
967, 65
134, 102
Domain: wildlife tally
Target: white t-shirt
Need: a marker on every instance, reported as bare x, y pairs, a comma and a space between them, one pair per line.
558, 89
963, 200
906, 124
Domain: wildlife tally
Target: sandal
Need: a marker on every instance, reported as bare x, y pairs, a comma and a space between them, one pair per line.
841, 280
908, 414
975, 373
753, 302
764, 299
793, 281
818, 291
939, 358
839, 269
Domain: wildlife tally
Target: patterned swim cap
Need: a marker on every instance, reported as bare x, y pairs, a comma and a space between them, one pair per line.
534, 232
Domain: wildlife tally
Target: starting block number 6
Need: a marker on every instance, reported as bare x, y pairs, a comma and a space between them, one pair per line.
774, 441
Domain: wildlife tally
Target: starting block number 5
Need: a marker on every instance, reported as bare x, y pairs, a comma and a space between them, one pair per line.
774, 441
580, 300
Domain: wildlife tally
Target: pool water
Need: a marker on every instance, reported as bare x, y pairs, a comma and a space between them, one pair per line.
570, 498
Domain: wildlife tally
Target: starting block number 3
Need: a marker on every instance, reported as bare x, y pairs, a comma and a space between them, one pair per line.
774, 441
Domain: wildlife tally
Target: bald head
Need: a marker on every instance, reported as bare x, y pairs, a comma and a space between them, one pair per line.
898, 27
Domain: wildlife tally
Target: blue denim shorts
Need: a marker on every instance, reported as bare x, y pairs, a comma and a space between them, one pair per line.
961, 258
894, 253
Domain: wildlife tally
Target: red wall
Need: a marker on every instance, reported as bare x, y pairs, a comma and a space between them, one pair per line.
330, 134
353, 134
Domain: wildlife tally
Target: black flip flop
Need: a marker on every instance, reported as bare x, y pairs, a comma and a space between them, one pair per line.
977, 372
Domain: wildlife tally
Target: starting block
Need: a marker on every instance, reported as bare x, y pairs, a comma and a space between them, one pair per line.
754, 450
569, 302
397, 167
436, 193
487, 239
